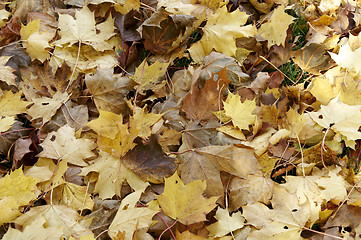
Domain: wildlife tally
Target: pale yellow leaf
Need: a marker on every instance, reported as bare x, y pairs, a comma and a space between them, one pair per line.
62, 145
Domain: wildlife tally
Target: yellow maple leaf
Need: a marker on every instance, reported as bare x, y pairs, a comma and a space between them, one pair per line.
348, 58
73, 195
45, 107
4, 15
185, 203
15, 190
286, 219
86, 60
36, 230
6, 123
62, 144
59, 216
114, 137
106, 124
6, 72
11, 104
111, 176
143, 121
275, 30
220, 33
240, 113
84, 29
36, 42
130, 218
225, 223
56, 176
147, 76
340, 117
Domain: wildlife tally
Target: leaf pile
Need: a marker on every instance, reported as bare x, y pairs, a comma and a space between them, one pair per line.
180, 119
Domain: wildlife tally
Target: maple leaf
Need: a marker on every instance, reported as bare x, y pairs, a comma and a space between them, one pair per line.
225, 223
150, 167
130, 218
340, 117
6, 72
114, 136
346, 58
11, 104
73, 195
6, 123
36, 42
83, 29
45, 107
36, 230
57, 216
15, 190
240, 113
185, 203
147, 76
108, 90
220, 32
56, 177
200, 103
275, 30
285, 220
111, 176
88, 58
62, 144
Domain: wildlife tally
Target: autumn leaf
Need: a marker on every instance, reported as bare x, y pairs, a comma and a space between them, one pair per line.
62, 144
83, 29
111, 176
185, 203
15, 190
286, 219
225, 223
240, 113
275, 30
45, 108
220, 32
130, 218
6, 72
340, 117
148, 76
36, 42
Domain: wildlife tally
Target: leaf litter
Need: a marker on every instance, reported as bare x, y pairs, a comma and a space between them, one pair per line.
180, 119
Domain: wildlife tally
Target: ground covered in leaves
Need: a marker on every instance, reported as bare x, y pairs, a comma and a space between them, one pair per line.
180, 119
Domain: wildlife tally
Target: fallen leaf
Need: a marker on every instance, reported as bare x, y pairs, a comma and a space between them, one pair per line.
185, 203
62, 145
275, 30
226, 223
149, 162
200, 103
